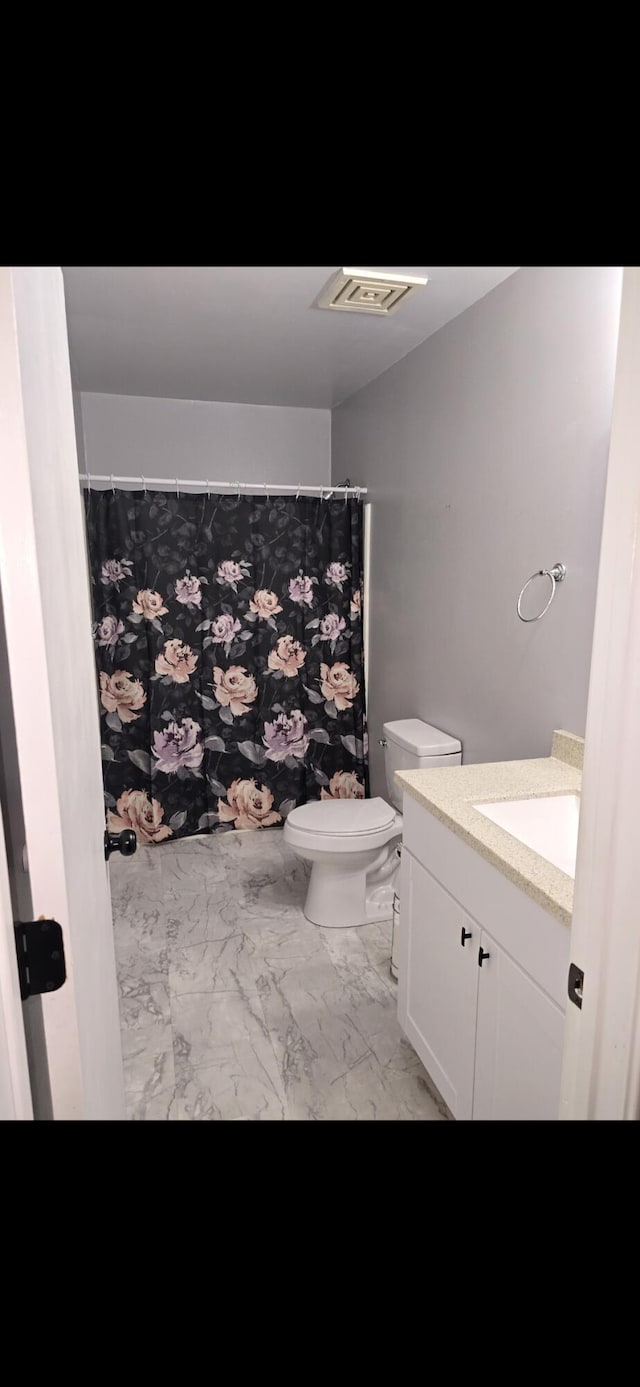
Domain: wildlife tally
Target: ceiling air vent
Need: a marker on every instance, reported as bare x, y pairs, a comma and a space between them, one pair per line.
368, 291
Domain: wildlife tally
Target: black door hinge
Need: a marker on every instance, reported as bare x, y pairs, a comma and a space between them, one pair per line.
40, 952
576, 982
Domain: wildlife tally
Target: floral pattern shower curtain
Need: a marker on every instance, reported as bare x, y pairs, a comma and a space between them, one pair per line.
228, 636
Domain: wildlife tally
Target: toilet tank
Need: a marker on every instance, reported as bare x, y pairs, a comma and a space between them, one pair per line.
412, 745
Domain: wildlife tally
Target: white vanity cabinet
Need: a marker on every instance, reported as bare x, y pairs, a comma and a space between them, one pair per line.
482, 978
518, 1046
439, 983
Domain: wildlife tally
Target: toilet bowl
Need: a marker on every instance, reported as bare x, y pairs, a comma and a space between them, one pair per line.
352, 843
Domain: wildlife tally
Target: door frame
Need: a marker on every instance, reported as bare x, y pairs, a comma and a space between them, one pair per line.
601, 1059
46, 607
15, 1086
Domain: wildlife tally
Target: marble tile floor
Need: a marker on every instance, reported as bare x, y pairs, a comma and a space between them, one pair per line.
234, 1007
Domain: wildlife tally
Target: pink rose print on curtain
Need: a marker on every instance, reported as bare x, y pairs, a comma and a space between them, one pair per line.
149, 604
331, 626
115, 571
188, 590
121, 694
176, 661
336, 574
224, 628
249, 806
287, 657
355, 606
343, 785
265, 603
234, 689
286, 736
108, 631
178, 745
338, 685
301, 589
144, 816
230, 573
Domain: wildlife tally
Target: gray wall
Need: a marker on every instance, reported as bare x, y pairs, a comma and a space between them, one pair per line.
77, 419
133, 434
485, 452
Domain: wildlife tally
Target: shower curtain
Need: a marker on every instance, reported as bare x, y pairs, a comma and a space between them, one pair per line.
228, 638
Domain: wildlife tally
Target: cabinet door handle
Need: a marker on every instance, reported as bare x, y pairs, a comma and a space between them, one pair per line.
482, 954
464, 934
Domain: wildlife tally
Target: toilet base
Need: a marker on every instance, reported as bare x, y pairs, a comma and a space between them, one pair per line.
380, 902
337, 898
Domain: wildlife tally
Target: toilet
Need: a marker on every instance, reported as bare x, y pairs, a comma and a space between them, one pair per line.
352, 843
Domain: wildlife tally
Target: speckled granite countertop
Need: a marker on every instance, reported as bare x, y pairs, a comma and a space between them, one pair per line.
450, 794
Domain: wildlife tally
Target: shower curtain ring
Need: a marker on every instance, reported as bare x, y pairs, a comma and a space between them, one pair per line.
144, 484
177, 490
113, 485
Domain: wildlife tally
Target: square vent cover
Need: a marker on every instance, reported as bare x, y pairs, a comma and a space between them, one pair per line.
368, 291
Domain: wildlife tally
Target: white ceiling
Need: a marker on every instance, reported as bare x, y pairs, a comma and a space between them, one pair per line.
247, 333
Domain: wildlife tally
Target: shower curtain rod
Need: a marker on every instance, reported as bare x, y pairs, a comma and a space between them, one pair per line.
159, 484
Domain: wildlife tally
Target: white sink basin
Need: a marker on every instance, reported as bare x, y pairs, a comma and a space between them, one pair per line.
549, 825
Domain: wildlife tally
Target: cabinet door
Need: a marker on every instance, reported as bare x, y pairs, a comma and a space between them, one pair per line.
438, 985
518, 1043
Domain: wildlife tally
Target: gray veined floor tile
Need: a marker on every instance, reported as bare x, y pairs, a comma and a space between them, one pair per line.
245, 1085
193, 867
194, 917
313, 1037
282, 937
268, 891
251, 842
417, 1096
156, 1106
143, 984
147, 1058
290, 858
238, 850
217, 965
144, 1003
125, 875
139, 914
235, 1008
145, 860
365, 1092
207, 843
240, 908
207, 1026
144, 958
353, 950
141, 872
372, 1010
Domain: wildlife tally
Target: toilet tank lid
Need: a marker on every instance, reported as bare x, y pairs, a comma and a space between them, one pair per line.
421, 738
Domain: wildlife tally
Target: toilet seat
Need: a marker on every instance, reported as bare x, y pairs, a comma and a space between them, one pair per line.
350, 816
343, 826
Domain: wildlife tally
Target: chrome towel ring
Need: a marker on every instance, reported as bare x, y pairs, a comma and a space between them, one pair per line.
557, 574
